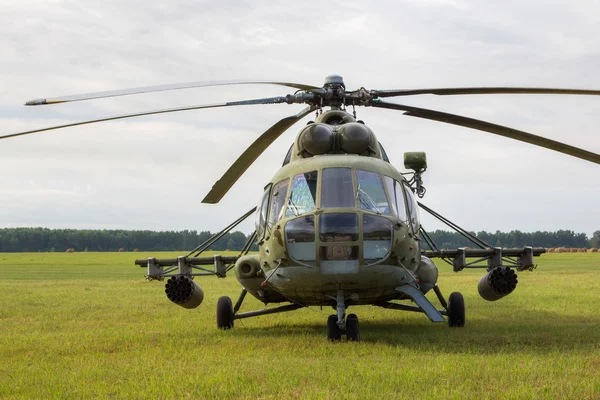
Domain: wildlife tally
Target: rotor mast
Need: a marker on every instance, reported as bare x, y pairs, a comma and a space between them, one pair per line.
335, 91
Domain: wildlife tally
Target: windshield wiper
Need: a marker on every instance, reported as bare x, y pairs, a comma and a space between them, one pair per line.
373, 206
293, 207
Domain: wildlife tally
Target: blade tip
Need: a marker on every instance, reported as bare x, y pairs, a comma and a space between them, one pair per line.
41, 102
35, 102
210, 200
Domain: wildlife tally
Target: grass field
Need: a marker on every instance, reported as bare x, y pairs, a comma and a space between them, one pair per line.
87, 325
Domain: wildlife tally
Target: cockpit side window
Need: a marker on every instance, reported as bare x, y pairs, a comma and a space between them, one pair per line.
261, 214
337, 189
384, 155
370, 193
396, 194
288, 156
303, 195
413, 211
277, 202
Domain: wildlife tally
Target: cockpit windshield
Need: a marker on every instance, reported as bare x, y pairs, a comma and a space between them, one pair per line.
303, 196
370, 193
337, 190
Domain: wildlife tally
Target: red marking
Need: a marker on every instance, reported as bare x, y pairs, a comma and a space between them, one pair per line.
263, 284
411, 247
417, 281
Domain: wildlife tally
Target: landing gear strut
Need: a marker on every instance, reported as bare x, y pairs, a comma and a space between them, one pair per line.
455, 307
227, 313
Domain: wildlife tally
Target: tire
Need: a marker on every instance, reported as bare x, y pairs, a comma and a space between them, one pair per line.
352, 331
224, 313
333, 330
456, 310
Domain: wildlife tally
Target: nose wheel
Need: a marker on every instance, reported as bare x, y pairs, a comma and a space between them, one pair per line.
352, 332
334, 333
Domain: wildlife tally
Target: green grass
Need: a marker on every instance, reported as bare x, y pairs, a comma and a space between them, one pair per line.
87, 325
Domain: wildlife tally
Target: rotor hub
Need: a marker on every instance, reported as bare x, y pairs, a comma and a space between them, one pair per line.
334, 80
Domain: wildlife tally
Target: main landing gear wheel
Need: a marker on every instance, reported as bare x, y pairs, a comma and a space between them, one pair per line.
456, 310
224, 313
333, 330
352, 331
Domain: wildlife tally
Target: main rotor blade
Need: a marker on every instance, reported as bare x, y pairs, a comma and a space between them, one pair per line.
222, 186
159, 88
491, 128
482, 90
268, 100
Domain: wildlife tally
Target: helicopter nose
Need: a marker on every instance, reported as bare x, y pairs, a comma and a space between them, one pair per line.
340, 245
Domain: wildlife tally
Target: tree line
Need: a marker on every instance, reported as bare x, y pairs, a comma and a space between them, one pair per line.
44, 239
560, 238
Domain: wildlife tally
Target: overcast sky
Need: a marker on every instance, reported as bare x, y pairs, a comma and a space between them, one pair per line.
152, 172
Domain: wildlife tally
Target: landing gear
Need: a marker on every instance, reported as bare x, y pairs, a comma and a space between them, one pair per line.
456, 310
224, 313
334, 333
352, 332
337, 322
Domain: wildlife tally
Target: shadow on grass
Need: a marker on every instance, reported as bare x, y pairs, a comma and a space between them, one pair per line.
535, 331
529, 331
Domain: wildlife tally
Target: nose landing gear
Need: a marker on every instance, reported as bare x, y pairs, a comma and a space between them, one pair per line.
335, 323
334, 332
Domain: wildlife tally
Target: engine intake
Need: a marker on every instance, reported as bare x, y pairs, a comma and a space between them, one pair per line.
497, 283
184, 292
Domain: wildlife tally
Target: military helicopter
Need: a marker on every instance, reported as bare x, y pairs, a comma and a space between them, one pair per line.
338, 225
